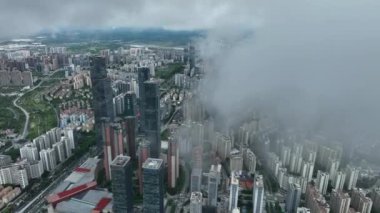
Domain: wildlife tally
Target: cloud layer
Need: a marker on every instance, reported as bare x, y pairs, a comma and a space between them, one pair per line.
25, 17
313, 65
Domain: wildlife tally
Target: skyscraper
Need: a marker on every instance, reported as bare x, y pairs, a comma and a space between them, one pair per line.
173, 163
293, 198
340, 202
234, 192
122, 184
102, 93
130, 130
130, 112
118, 140
106, 134
258, 195
196, 202
153, 186
130, 105
152, 124
236, 160
118, 104
196, 180
144, 154
212, 187
143, 75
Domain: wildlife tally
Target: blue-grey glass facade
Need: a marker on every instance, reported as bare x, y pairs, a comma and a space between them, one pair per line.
143, 75
152, 124
102, 93
153, 186
121, 174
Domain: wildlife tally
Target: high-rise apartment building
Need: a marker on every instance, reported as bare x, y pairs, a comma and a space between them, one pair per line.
340, 202
212, 186
250, 161
338, 181
29, 152
352, 175
234, 192
315, 200
360, 201
293, 198
258, 195
322, 182
49, 159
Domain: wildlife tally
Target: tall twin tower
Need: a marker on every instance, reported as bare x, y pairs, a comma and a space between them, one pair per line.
116, 133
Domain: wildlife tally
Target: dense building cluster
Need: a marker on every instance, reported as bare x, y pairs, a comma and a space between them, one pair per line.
16, 78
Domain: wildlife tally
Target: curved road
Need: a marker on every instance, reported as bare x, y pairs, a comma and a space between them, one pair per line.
26, 124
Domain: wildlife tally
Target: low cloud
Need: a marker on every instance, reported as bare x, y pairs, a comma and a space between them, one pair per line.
23, 17
311, 65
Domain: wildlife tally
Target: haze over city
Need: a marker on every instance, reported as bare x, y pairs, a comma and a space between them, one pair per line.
190, 106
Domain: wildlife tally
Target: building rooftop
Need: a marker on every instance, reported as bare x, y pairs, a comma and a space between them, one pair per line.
152, 80
83, 174
64, 195
143, 142
120, 160
259, 181
93, 199
196, 197
152, 163
235, 152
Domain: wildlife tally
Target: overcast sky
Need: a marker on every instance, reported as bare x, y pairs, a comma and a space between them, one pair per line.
24, 16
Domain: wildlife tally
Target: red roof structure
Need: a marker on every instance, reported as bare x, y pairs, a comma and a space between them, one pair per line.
61, 196
102, 204
82, 170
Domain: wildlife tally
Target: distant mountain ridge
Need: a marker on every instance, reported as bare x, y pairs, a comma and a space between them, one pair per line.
179, 37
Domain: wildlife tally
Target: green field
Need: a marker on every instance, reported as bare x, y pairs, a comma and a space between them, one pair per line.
10, 116
168, 71
91, 47
42, 114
